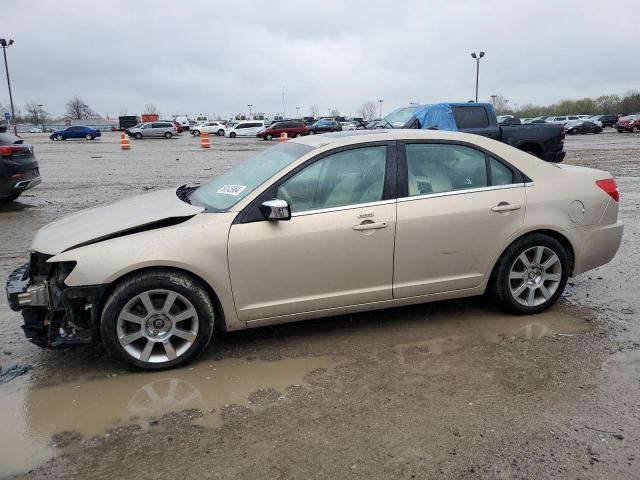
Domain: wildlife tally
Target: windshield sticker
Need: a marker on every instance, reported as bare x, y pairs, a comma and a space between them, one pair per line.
232, 189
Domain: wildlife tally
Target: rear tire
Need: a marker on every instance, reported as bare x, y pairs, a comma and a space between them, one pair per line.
530, 275
129, 329
311, 132
196, 133
268, 136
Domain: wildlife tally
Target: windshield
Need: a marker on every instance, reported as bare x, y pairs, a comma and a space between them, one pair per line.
399, 117
223, 192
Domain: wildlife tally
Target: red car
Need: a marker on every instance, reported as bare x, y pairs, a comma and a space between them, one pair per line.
179, 127
293, 128
628, 124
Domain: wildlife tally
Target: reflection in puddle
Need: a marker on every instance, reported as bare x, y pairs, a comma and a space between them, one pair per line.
91, 405
32, 414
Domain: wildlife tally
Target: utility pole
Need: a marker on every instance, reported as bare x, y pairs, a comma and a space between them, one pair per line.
250, 105
477, 58
298, 112
380, 102
284, 106
41, 112
493, 100
5, 45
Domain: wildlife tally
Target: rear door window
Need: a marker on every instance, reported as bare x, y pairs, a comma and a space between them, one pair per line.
471, 117
439, 168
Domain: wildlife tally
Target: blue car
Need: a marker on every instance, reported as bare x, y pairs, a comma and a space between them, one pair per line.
75, 132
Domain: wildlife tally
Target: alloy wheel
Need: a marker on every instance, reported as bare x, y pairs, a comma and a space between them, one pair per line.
157, 326
535, 276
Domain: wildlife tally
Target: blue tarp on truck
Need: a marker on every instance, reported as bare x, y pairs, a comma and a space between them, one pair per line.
438, 115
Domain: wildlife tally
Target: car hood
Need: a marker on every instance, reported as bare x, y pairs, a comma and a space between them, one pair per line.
94, 224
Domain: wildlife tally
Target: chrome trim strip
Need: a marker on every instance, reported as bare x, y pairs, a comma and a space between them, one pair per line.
460, 192
529, 184
346, 207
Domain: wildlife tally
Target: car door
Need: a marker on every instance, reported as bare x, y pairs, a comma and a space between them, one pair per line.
337, 249
459, 207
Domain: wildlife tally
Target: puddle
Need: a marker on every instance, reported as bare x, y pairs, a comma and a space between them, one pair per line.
32, 414
441, 330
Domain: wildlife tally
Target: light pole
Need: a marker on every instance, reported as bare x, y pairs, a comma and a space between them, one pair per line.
298, 110
493, 100
41, 112
380, 102
477, 58
250, 105
5, 45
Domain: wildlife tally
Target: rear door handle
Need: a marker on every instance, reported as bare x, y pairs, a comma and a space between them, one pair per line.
370, 226
506, 207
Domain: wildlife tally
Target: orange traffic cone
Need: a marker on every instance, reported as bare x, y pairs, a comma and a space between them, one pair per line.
124, 142
284, 137
204, 140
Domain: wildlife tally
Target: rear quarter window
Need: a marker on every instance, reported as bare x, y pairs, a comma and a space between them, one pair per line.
471, 117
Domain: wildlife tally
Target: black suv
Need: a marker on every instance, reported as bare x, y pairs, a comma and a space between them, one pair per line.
606, 120
18, 166
325, 125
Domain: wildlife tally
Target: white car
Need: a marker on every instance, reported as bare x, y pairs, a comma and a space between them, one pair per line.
35, 130
562, 120
347, 126
208, 127
248, 128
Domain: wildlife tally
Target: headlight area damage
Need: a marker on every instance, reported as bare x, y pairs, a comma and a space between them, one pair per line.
55, 315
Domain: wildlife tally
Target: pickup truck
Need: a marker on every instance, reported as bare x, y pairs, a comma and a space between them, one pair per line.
545, 141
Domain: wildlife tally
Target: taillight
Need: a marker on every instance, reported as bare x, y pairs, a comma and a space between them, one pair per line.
610, 187
8, 150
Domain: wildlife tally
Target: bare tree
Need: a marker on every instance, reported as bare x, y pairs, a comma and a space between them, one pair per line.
368, 110
151, 109
35, 114
313, 110
77, 109
335, 112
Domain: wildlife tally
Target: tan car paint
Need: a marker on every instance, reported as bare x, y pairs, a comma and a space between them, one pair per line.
312, 262
447, 242
200, 244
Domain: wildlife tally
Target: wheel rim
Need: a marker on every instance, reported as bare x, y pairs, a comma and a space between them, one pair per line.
269, 137
157, 326
535, 276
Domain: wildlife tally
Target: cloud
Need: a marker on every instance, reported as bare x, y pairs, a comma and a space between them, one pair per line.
217, 57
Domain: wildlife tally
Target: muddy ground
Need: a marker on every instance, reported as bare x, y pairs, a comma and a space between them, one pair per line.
446, 390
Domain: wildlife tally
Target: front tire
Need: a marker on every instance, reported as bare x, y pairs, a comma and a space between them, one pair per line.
232, 135
59, 137
311, 132
157, 320
530, 275
221, 133
196, 132
167, 135
138, 136
88, 136
268, 136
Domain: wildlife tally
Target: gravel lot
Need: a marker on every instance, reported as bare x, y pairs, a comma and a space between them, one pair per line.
446, 390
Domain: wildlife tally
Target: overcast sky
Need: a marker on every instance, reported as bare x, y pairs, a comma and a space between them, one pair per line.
218, 56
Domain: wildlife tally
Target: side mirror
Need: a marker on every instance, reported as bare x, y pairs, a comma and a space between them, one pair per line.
276, 210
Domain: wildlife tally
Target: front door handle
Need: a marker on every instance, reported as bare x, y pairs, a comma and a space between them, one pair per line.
370, 226
506, 207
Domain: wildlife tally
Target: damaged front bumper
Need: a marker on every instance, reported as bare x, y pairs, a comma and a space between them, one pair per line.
54, 314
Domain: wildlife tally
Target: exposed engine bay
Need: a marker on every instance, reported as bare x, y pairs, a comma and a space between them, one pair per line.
55, 315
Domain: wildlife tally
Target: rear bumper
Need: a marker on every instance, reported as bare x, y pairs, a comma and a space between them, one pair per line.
13, 186
554, 157
594, 245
